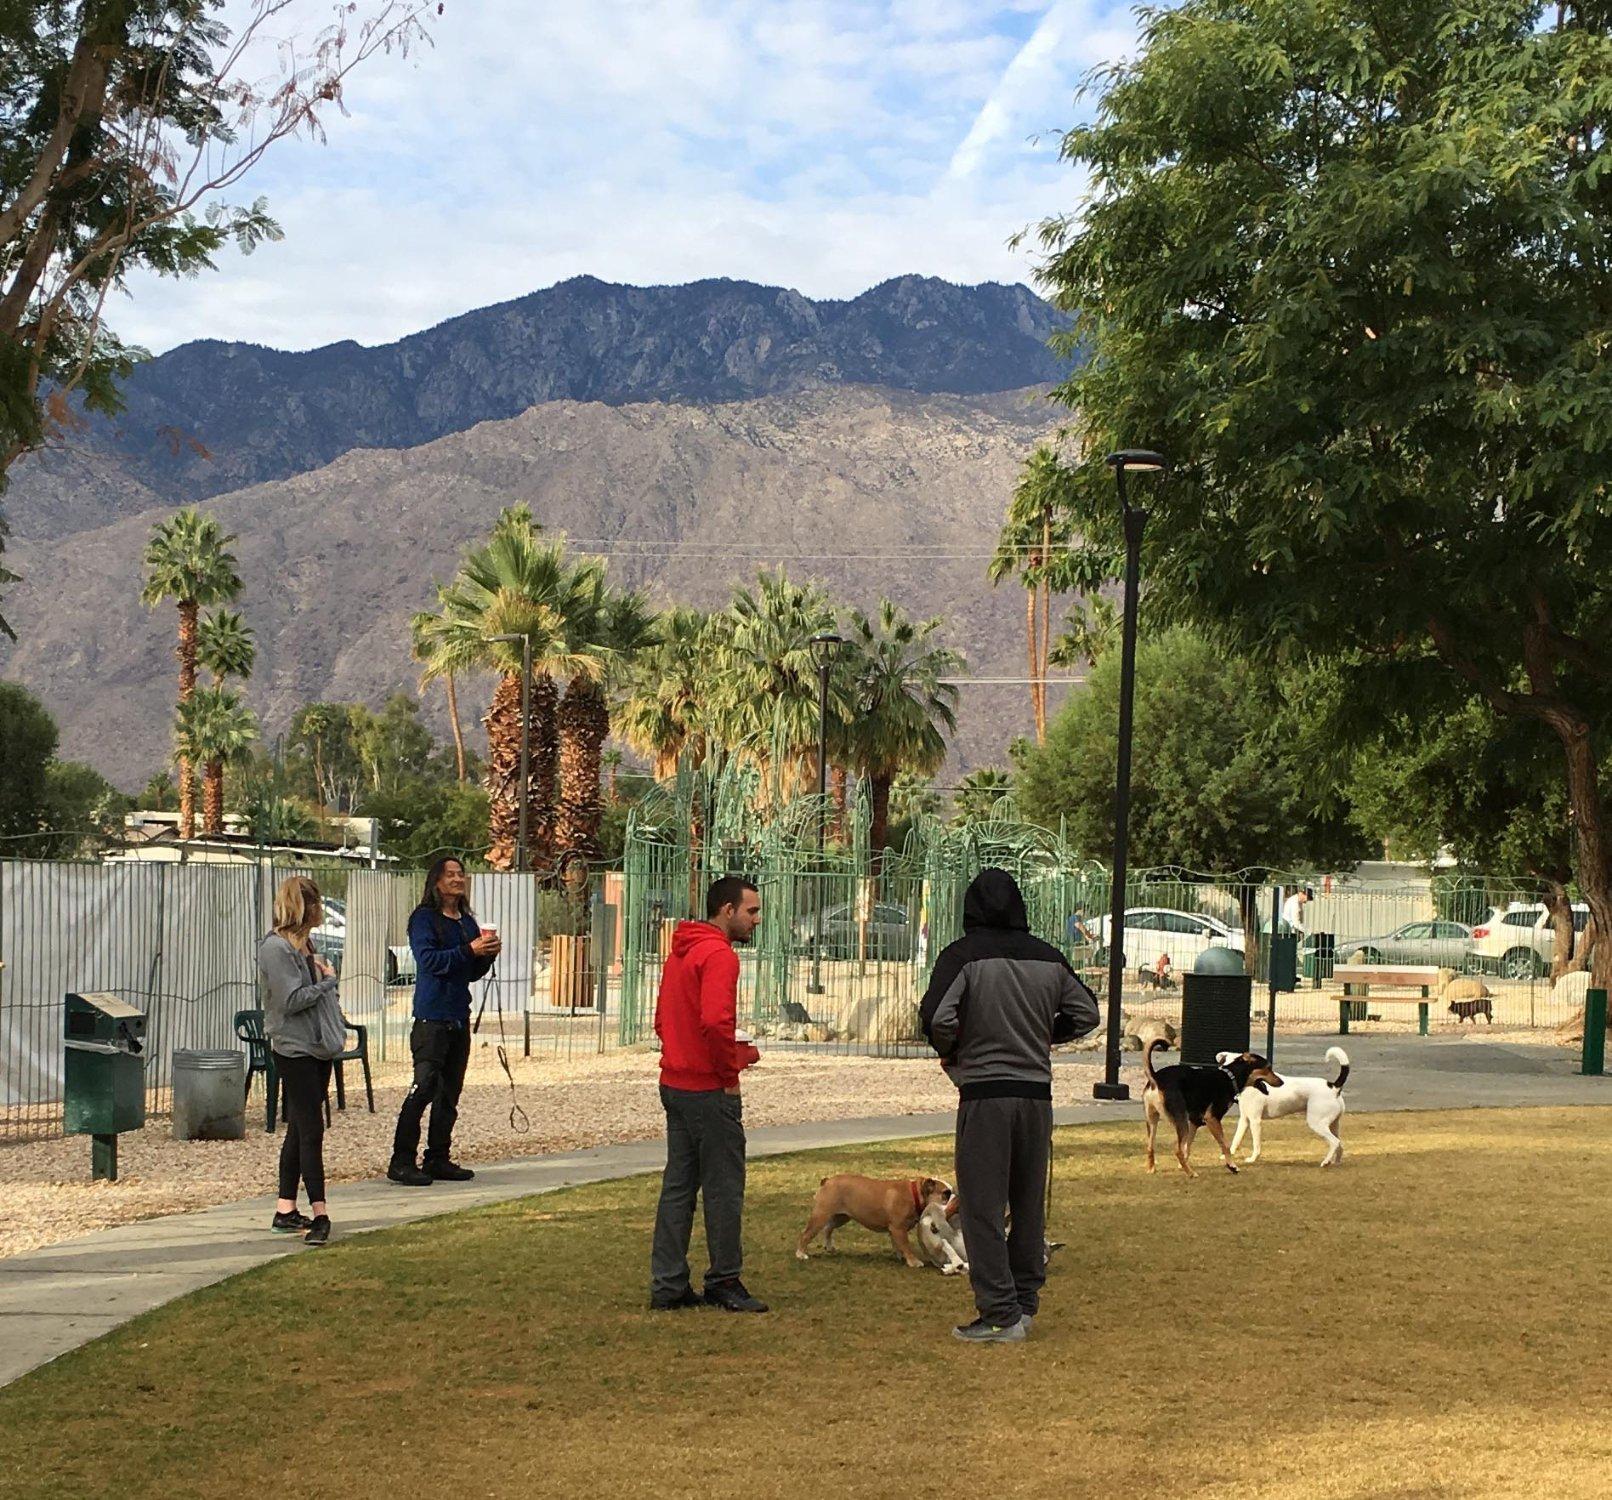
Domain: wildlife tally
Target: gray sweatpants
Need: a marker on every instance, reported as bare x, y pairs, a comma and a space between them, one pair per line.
1002, 1164
704, 1158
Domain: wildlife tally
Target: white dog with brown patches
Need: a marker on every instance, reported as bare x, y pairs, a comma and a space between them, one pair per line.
1320, 1099
940, 1240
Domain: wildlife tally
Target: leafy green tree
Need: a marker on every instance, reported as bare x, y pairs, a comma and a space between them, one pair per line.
1347, 267
28, 738
49, 808
1221, 780
188, 560
394, 745
84, 808
1483, 788
123, 126
420, 819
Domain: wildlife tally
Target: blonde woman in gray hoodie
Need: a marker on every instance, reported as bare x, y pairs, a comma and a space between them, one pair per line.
303, 1022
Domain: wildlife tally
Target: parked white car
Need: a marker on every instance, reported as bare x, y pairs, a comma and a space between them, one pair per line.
1153, 930
1518, 941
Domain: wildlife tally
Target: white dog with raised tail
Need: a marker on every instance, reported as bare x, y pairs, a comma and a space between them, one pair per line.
1321, 1100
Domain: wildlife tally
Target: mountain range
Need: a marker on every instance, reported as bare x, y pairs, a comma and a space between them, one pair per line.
692, 434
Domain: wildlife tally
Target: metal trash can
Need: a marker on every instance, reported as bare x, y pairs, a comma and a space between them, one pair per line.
209, 1095
1215, 1008
104, 1089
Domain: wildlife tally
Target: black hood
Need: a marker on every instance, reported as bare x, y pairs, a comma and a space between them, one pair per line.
994, 900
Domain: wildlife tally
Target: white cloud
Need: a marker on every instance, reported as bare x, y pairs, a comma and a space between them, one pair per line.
824, 145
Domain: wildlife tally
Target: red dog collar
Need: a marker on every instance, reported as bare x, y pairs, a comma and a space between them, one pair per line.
917, 1196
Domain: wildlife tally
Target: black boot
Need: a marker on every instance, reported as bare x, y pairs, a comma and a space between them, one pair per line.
440, 1169
406, 1174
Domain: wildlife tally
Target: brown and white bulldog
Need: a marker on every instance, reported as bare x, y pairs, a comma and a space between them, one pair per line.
893, 1206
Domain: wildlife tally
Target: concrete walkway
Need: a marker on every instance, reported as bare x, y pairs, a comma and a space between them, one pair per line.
55, 1299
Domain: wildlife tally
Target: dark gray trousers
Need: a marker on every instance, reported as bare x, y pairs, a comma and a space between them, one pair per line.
1002, 1164
704, 1158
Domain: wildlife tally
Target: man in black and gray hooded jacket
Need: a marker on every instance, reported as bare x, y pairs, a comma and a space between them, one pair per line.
998, 1000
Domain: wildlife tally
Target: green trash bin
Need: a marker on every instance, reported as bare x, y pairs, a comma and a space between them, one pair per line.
1321, 956
104, 1090
1284, 962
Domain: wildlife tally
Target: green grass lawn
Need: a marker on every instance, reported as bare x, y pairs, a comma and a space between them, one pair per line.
1426, 1321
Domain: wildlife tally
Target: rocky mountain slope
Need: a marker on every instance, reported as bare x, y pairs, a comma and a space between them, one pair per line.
208, 418
873, 491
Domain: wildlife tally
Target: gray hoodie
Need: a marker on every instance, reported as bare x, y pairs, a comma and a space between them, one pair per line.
999, 999
301, 1012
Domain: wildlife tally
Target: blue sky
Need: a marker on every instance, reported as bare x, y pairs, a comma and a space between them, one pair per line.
819, 144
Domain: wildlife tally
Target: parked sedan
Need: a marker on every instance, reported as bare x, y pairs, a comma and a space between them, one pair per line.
1154, 930
1444, 944
889, 933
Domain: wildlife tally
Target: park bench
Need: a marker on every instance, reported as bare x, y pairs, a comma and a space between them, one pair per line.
1412, 984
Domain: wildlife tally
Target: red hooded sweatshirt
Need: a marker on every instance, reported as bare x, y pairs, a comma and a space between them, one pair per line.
694, 1017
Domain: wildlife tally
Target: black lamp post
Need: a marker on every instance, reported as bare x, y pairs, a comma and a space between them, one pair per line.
1144, 462
824, 649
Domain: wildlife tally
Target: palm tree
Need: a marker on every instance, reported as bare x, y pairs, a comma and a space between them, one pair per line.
515, 584
214, 727
613, 633
423, 628
187, 559
764, 684
311, 727
225, 647
902, 708
1034, 539
665, 692
980, 792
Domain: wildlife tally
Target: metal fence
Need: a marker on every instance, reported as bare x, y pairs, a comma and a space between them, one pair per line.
839, 964
179, 941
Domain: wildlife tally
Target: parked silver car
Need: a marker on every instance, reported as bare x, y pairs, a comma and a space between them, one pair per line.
1447, 945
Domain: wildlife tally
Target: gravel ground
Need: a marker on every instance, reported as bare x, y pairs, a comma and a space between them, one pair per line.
46, 1195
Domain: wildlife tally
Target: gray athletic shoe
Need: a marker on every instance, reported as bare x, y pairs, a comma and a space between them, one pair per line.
980, 1331
1027, 1322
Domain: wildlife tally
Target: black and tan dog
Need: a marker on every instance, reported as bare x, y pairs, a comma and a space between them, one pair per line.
1193, 1096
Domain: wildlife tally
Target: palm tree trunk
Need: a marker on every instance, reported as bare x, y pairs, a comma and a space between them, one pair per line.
1046, 628
842, 794
879, 806
213, 797
503, 772
545, 759
1031, 635
584, 725
458, 733
187, 686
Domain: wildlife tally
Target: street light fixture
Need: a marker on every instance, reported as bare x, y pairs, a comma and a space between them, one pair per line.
526, 735
824, 650
1143, 461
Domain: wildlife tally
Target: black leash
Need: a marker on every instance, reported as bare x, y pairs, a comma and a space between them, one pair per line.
516, 1113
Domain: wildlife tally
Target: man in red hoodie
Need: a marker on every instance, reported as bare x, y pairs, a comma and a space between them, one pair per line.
700, 1061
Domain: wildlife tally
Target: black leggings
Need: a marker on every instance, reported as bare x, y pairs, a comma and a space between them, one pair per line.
302, 1155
